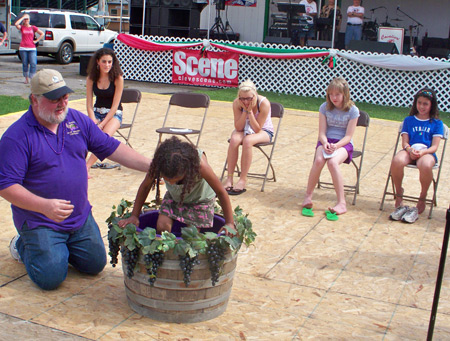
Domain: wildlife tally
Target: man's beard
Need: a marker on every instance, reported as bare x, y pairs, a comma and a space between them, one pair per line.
51, 118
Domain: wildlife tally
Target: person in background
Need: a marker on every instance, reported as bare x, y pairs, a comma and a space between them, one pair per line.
27, 49
5, 34
328, 12
105, 81
43, 175
355, 16
311, 11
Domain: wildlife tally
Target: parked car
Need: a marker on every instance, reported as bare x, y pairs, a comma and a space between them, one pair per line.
66, 33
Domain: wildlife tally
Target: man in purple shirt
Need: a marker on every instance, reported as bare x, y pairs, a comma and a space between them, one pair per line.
43, 174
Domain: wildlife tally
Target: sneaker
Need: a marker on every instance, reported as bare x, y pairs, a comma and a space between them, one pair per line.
411, 215
13, 249
398, 213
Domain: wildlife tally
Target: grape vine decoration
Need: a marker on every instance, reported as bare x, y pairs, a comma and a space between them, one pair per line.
216, 257
187, 266
152, 263
148, 248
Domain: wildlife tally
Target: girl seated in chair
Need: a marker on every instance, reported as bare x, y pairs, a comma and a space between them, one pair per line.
338, 117
252, 125
421, 133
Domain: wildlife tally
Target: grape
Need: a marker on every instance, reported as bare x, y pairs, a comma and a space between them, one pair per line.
114, 248
187, 266
216, 256
130, 258
152, 263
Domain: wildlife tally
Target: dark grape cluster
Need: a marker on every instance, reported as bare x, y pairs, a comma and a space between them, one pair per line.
152, 262
130, 258
114, 248
187, 266
216, 256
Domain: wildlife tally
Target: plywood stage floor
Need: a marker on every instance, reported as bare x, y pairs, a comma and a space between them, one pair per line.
362, 277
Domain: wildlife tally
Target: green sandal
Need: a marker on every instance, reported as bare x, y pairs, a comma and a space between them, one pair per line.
332, 216
307, 212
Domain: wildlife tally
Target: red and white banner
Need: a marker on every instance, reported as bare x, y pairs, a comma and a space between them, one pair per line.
212, 68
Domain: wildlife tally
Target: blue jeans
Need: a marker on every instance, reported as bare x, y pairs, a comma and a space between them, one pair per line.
28, 57
47, 253
352, 33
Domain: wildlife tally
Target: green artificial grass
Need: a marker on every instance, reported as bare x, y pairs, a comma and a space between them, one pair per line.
9, 104
313, 104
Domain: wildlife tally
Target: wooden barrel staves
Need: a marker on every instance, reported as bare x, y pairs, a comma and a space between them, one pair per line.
170, 300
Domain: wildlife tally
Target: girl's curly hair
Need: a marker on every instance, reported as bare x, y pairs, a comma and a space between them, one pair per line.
174, 158
93, 70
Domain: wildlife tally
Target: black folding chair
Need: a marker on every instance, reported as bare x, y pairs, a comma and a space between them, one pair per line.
129, 96
185, 100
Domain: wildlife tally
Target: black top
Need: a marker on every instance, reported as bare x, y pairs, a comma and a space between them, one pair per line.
104, 98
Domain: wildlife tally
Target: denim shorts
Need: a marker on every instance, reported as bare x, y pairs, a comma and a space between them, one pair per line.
100, 114
270, 133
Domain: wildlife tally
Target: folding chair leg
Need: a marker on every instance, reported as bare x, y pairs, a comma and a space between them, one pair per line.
385, 190
224, 169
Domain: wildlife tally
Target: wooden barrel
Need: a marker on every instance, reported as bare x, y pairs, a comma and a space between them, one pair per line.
170, 300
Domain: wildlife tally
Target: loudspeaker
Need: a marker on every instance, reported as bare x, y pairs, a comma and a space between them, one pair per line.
220, 4
84, 62
437, 52
277, 40
319, 43
372, 46
222, 36
177, 3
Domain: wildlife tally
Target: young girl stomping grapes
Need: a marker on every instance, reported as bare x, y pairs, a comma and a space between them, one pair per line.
337, 122
421, 133
191, 185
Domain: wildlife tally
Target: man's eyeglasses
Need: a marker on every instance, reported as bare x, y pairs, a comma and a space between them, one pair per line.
246, 98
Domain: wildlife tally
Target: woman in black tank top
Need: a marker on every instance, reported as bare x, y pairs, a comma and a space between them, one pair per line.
105, 81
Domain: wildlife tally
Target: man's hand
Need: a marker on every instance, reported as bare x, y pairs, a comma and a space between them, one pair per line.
58, 210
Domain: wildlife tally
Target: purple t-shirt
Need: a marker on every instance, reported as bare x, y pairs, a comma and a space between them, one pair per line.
52, 165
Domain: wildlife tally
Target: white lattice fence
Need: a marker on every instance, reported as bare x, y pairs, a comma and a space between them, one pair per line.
306, 77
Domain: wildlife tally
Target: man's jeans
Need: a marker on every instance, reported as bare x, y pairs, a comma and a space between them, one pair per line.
352, 33
28, 57
47, 253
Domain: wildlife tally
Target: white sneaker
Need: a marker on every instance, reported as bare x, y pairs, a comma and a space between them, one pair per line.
13, 249
398, 213
411, 215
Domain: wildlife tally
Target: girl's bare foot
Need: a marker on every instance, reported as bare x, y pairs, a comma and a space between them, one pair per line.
228, 185
307, 203
338, 209
26, 81
399, 198
421, 205
239, 186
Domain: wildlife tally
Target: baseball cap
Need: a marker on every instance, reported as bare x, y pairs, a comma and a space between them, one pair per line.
49, 83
